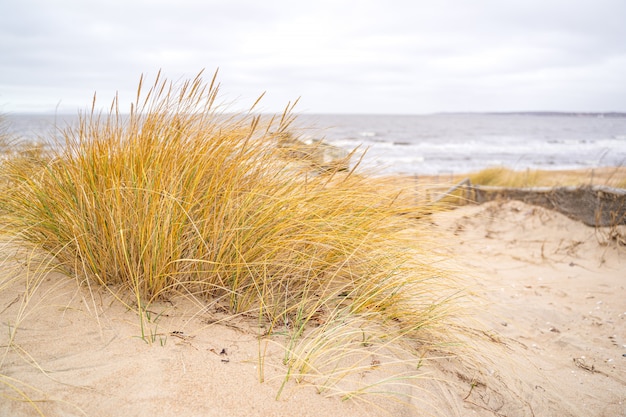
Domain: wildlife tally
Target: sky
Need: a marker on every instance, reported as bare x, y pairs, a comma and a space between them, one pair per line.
335, 56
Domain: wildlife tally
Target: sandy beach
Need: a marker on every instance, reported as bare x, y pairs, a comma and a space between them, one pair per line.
410, 209
554, 292
548, 290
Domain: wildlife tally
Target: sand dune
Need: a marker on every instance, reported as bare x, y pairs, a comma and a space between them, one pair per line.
550, 292
555, 292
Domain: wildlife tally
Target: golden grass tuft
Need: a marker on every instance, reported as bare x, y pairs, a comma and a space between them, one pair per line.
504, 177
177, 197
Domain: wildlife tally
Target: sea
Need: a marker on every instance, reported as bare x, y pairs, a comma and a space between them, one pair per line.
443, 143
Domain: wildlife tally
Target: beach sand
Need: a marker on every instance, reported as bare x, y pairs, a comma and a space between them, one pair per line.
550, 292
555, 292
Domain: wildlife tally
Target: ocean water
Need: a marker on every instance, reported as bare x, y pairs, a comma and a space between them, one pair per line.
445, 143
460, 143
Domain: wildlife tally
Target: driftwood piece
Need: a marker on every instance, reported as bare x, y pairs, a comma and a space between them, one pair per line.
593, 205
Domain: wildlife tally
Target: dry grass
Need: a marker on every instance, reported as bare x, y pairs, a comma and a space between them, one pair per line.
504, 177
440, 192
12, 145
178, 197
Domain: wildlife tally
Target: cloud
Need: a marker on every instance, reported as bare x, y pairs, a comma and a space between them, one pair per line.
340, 56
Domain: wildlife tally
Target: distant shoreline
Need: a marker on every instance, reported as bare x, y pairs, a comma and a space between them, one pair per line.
613, 114
569, 114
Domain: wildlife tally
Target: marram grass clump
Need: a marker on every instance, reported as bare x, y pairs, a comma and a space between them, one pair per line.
177, 197
504, 177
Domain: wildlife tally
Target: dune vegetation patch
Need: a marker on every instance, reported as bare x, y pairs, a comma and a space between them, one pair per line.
505, 177
178, 197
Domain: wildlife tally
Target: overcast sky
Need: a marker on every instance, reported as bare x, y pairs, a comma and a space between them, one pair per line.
378, 56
